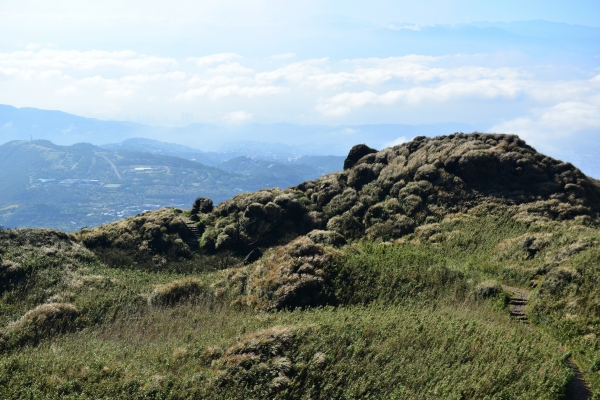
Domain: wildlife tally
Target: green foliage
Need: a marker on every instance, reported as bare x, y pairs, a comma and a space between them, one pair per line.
370, 272
408, 323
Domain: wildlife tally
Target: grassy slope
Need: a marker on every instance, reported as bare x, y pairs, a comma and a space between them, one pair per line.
408, 323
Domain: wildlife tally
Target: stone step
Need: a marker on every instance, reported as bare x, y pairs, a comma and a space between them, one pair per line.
193, 242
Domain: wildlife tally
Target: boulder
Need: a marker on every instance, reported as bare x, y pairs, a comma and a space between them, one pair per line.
356, 153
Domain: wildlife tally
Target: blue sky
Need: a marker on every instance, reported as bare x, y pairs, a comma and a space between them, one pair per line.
309, 62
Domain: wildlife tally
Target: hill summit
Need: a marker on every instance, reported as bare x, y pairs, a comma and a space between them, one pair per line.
384, 195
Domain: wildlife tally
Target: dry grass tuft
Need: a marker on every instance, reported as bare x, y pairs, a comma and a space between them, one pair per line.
326, 238
177, 291
488, 289
261, 356
524, 247
161, 232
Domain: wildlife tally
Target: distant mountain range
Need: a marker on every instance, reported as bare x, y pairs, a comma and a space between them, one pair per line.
66, 129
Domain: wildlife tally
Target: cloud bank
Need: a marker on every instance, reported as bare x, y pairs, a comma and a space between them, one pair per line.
533, 101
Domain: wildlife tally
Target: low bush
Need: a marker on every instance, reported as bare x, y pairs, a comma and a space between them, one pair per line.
488, 289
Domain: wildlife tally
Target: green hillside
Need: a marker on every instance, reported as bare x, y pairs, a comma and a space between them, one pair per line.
460, 267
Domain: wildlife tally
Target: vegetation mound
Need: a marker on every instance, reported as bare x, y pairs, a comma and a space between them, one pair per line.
259, 356
147, 236
293, 276
45, 320
176, 291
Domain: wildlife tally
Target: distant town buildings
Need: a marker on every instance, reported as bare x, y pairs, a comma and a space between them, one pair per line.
187, 118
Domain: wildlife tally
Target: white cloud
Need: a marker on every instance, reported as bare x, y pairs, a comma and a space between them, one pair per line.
284, 56
343, 103
407, 89
396, 142
237, 117
247, 91
558, 121
298, 72
213, 59
119, 93
82, 61
579, 111
231, 69
67, 90
192, 94
399, 27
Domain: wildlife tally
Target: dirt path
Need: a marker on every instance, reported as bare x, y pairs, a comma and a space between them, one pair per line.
114, 167
577, 389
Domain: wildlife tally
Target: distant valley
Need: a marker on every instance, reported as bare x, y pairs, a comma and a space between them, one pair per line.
69, 187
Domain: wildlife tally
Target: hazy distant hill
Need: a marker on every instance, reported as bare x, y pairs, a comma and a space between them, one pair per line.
61, 127
67, 129
47, 185
285, 157
270, 169
169, 149
211, 144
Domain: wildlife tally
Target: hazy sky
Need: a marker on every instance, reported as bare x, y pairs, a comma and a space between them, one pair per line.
307, 62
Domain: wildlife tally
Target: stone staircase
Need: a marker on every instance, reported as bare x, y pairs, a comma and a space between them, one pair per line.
577, 388
518, 304
193, 240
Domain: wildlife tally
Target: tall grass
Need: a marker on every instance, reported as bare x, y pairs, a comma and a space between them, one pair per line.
378, 351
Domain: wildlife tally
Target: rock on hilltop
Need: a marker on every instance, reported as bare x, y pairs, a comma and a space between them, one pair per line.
386, 194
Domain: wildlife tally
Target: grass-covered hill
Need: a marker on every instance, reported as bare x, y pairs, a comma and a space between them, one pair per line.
384, 280
69, 187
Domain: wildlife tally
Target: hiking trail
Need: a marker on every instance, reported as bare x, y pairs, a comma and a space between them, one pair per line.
192, 240
577, 389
